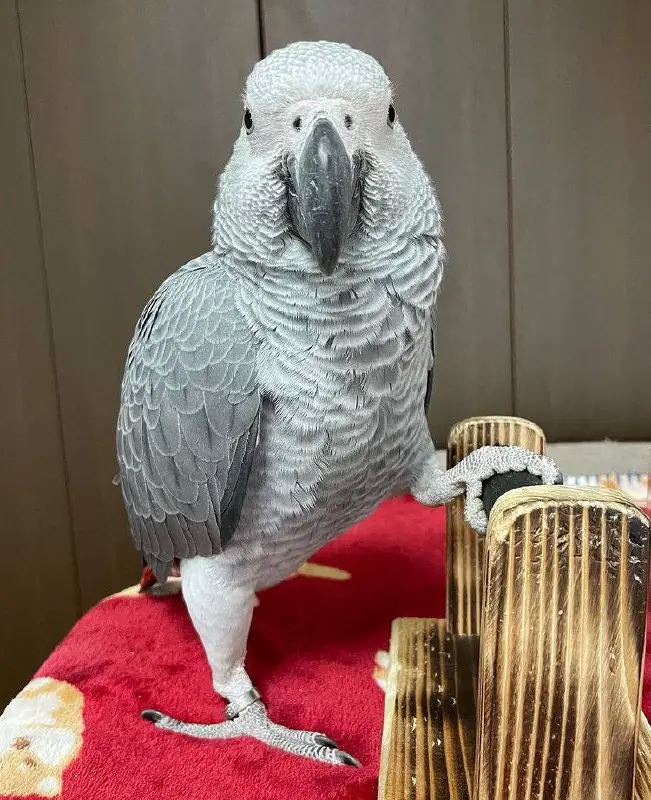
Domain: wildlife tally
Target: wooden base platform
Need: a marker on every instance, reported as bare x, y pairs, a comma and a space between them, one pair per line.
545, 703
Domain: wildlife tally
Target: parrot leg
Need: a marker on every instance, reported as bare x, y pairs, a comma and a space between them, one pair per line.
221, 613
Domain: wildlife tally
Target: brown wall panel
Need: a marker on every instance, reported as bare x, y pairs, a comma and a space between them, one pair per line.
580, 75
134, 109
447, 62
38, 585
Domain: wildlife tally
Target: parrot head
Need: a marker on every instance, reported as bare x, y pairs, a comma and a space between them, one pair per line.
321, 160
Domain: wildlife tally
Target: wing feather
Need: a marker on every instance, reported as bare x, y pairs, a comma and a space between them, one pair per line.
189, 418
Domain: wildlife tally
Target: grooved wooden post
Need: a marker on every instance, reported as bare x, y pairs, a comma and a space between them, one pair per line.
465, 548
562, 646
428, 744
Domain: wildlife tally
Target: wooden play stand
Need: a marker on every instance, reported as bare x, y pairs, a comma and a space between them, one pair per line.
531, 688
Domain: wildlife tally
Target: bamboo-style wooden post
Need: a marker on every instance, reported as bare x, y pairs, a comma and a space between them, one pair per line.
465, 548
562, 645
428, 744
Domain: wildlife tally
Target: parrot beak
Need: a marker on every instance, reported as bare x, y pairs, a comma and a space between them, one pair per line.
324, 197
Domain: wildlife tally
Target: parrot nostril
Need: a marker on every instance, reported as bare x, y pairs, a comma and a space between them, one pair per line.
348, 121
297, 123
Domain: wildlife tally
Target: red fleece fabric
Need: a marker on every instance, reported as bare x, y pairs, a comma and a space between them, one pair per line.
311, 653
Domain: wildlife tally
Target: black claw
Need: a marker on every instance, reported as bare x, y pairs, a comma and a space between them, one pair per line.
152, 716
347, 759
324, 741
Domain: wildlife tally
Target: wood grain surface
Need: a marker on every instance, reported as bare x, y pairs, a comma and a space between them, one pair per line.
562, 645
465, 548
428, 744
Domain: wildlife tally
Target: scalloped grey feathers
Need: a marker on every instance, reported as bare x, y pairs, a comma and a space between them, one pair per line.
189, 418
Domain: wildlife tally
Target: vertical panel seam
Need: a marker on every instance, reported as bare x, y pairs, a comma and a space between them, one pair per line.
48, 312
509, 201
262, 44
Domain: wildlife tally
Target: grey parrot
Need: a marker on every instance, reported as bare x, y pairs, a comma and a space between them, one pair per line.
275, 388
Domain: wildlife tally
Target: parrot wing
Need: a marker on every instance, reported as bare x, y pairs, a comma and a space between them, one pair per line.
433, 239
189, 418
430, 376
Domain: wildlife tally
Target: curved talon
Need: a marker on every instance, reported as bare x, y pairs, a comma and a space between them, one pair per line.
324, 741
151, 716
345, 759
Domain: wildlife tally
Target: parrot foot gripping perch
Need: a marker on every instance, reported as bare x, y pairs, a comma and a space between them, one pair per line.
247, 716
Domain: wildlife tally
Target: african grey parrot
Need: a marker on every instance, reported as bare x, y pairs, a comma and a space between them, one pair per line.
274, 390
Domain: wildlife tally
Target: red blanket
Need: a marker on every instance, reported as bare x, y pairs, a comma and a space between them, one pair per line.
312, 653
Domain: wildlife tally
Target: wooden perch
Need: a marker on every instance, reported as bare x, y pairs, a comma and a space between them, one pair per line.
465, 548
562, 645
544, 704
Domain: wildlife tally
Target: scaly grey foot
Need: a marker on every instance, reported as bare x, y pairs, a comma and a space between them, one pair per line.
435, 486
252, 720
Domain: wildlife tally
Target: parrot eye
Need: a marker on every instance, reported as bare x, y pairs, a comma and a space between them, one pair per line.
391, 116
248, 120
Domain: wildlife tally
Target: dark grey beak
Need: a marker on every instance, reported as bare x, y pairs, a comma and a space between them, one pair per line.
325, 194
